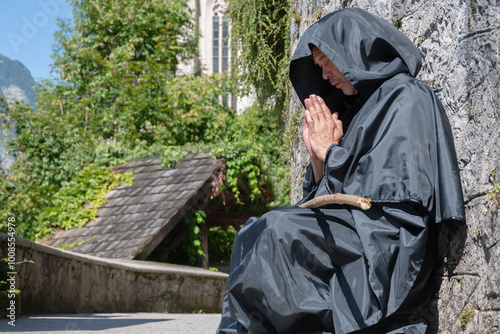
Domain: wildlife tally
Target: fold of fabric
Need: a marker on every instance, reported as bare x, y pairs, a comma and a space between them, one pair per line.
334, 269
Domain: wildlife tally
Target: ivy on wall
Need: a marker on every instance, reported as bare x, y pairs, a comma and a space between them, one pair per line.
260, 32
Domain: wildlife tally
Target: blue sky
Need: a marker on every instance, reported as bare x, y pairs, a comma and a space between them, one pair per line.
27, 32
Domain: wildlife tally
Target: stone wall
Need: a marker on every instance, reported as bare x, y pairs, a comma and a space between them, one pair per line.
60, 281
459, 43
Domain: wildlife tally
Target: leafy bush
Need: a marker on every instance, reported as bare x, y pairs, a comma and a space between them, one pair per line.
116, 98
38, 209
220, 244
76, 201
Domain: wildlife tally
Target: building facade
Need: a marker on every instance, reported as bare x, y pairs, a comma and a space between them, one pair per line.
215, 52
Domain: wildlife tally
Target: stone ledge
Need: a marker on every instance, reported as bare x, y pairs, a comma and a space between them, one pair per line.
61, 281
135, 265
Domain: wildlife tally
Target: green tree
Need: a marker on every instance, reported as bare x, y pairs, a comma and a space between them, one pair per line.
116, 61
117, 97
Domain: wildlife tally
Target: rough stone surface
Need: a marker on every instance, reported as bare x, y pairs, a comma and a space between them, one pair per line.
459, 43
60, 281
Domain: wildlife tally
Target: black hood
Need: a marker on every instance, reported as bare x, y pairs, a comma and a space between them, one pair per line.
365, 48
397, 145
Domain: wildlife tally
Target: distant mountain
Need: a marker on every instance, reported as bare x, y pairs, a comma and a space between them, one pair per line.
16, 83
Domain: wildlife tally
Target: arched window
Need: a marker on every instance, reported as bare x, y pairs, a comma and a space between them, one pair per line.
221, 55
215, 41
220, 37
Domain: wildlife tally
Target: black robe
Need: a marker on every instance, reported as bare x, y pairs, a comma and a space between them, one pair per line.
341, 269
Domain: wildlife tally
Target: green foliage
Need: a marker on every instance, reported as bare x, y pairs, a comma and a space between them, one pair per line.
260, 31
192, 246
253, 147
74, 244
49, 147
396, 22
191, 111
494, 194
40, 208
118, 98
263, 127
24, 201
76, 201
465, 317
4, 270
200, 311
220, 243
116, 64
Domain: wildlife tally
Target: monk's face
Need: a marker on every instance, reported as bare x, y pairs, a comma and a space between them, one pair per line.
332, 73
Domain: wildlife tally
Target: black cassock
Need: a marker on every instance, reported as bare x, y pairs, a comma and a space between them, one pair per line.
341, 269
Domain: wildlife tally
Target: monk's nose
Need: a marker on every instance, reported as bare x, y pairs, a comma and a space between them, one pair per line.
327, 74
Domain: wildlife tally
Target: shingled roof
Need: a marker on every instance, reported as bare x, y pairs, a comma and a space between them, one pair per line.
138, 217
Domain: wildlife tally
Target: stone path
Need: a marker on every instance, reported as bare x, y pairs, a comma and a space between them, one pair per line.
122, 323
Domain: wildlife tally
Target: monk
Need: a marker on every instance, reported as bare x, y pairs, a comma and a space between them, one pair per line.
372, 131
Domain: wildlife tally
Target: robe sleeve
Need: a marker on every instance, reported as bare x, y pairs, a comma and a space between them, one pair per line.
399, 149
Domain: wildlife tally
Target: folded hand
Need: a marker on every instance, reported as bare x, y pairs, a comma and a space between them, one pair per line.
321, 128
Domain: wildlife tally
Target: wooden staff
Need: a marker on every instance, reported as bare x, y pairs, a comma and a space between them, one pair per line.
360, 202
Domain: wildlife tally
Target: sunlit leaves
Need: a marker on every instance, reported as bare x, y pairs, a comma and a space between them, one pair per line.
117, 98
115, 62
260, 33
